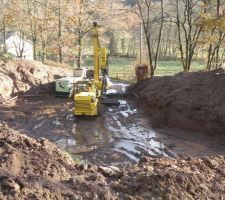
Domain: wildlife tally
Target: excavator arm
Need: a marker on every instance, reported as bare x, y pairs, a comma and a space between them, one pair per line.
87, 103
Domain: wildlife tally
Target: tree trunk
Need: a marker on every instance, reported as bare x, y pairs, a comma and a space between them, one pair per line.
4, 36
34, 40
160, 36
60, 34
151, 67
79, 56
112, 45
123, 46
43, 55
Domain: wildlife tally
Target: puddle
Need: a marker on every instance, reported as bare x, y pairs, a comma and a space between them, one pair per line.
120, 129
115, 87
132, 137
128, 148
66, 143
37, 126
119, 134
57, 122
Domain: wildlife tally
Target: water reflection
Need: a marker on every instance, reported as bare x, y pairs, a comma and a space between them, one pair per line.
121, 129
66, 143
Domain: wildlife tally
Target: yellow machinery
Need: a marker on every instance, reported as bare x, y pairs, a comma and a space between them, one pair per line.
86, 100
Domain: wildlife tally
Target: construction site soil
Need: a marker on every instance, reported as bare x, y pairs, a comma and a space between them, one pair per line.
47, 153
27, 76
37, 169
193, 101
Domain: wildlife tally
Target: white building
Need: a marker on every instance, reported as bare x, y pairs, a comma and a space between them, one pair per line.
17, 46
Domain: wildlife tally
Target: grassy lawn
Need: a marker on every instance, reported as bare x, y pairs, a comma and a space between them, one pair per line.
119, 67
166, 68
123, 68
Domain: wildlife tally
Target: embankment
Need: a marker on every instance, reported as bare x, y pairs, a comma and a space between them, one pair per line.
188, 101
36, 169
22, 76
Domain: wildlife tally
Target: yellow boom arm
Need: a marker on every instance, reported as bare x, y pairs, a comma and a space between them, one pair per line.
99, 58
87, 102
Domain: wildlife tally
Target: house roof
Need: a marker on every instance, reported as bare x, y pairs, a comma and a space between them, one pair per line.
9, 34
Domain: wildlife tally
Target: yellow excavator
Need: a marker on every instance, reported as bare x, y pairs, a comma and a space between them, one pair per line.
88, 95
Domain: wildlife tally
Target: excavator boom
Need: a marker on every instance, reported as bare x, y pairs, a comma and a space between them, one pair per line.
87, 102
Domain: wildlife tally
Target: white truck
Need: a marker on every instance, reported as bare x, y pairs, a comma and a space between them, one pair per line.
64, 86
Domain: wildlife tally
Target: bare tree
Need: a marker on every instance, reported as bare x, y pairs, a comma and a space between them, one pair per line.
213, 11
30, 7
152, 18
5, 20
82, 13
19, 45
187, 14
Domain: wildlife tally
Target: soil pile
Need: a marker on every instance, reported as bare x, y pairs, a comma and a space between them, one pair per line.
36, 169
22, 76
189, 101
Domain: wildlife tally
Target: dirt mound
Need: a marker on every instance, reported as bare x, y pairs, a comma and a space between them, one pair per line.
189, 101
164, 178
36, 169
21, 76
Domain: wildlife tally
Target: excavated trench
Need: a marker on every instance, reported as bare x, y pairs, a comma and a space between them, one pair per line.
120, 134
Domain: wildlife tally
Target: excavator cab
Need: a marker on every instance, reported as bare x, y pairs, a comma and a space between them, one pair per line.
82, 86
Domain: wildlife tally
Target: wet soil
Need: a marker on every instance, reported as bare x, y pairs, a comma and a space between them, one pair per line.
119, 135
37, 169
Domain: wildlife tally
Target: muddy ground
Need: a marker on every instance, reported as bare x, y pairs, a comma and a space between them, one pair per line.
120, 134
36, 169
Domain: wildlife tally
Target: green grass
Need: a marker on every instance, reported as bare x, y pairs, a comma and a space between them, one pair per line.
6, 56
123, 68
75, 158
166, 68
119, 67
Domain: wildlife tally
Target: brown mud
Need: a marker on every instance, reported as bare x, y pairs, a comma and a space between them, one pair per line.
192, 102
119, 135
31, 77
37, 169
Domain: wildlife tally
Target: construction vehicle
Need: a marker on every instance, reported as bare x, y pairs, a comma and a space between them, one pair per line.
89, 93
64, 87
